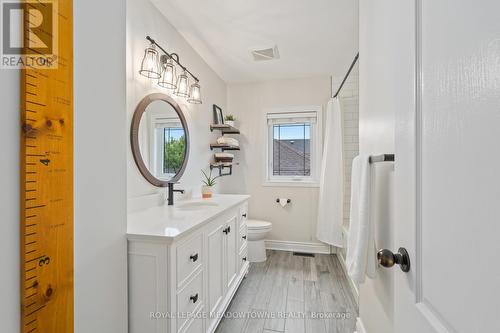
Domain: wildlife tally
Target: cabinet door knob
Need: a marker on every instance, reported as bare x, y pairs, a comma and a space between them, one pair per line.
244, 258
244, 237
194, 257
225, 231
244, 215
194, 298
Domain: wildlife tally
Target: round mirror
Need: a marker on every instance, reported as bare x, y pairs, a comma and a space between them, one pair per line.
160, 139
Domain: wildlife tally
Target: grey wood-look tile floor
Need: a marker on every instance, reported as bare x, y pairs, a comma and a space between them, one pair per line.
290, 293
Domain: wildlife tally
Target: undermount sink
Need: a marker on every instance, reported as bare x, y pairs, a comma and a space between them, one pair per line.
196, 205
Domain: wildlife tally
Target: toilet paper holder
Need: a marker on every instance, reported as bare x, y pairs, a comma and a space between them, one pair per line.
287, 200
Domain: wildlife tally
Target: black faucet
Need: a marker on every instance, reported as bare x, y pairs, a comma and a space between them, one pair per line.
171, 191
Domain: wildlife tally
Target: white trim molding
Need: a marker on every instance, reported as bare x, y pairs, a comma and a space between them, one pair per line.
298, 246
352, 284
360, 328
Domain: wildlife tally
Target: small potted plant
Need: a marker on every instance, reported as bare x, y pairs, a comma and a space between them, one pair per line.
229, 120
208, 183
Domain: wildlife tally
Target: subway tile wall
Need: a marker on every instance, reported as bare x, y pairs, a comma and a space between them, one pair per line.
349, 101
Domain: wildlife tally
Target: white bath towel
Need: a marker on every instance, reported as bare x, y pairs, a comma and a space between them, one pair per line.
361, 257
223, 140
331, 191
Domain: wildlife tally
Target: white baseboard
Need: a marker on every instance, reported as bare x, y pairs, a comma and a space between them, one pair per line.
298, 246
352, 284
360, 328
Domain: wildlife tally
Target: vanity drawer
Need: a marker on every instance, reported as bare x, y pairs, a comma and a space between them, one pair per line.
244, 213
243, 236
189, 258
189, 299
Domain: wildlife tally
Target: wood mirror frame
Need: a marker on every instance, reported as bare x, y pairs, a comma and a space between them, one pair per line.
134, 138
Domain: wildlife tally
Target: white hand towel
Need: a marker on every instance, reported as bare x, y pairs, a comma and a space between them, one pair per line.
361, 257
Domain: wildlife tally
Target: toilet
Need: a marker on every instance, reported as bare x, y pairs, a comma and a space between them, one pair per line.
256, 232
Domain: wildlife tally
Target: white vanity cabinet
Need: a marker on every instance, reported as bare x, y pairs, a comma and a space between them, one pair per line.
183, 276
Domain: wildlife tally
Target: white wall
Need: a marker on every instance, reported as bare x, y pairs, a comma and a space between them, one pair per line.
100, 167
377, 120
9, 200
143, 19
296, 222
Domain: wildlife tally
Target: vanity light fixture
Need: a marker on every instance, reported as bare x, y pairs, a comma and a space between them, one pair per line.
168, 78
164, 70
194, 94
182, 85
149, 65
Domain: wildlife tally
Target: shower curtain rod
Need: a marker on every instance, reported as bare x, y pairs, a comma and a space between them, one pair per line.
347, 75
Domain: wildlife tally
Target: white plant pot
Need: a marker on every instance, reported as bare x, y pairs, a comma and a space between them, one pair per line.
229, 122
207, 191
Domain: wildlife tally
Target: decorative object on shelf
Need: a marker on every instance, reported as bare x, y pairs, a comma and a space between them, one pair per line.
163, 69
218, 116
229, 120
208, 183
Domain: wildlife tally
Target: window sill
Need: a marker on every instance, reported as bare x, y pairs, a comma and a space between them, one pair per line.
290, 183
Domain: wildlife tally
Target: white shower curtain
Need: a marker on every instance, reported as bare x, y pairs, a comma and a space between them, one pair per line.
331, 192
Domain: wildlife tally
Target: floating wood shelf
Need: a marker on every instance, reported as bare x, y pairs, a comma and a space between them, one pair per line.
223, 147
224, 128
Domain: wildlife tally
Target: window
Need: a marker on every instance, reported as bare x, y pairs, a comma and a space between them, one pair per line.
293, 146
169, 147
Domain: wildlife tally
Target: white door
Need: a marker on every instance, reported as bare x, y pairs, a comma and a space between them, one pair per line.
448, 168
231, 251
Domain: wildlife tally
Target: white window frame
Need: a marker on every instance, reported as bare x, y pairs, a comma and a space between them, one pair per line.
316, 147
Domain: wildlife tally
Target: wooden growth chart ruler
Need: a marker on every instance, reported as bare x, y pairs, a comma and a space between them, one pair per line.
47, 175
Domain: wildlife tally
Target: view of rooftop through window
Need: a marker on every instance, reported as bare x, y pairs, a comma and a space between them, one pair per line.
292, 149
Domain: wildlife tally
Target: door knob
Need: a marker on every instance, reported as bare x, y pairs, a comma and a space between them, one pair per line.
388, 259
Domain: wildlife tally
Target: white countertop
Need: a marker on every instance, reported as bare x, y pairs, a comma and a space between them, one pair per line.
170, 222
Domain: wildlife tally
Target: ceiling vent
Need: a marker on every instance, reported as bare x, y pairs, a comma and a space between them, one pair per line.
266, 54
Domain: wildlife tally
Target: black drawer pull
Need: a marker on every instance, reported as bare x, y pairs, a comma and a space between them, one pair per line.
227, 230
244, 215
244, 237
244, 258
193, 257
194, 298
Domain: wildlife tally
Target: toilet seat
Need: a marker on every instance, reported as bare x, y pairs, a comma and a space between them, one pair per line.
258, 225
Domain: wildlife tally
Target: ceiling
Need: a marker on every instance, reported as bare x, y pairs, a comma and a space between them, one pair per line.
314, 37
